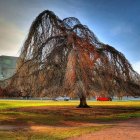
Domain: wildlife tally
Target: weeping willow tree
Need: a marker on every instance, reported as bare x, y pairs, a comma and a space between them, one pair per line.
64, 57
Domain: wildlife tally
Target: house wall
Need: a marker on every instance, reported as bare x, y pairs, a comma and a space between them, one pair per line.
7, 66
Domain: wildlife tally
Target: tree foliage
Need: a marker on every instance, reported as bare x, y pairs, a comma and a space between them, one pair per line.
64, 57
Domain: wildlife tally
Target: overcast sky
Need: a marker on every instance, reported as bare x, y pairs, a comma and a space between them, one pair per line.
115, 22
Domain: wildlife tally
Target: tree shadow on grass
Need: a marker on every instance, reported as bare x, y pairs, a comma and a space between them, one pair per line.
55, 116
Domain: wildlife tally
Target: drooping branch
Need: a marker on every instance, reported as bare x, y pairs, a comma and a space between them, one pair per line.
63, 57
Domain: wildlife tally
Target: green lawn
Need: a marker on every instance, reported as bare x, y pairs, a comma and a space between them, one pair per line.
7, 104
58, 120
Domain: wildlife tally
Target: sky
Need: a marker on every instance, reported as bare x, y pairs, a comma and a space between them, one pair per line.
115, 22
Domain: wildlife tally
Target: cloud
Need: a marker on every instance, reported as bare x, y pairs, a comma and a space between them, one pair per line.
11, 38
136, 66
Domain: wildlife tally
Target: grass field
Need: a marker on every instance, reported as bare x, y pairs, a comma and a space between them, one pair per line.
58, 120
7, 104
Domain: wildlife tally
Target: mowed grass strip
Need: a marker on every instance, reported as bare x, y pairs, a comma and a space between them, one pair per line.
9, 104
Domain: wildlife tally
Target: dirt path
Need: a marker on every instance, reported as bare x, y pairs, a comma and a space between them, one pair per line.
127, 130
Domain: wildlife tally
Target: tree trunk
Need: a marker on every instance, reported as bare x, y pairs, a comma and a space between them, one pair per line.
83, 103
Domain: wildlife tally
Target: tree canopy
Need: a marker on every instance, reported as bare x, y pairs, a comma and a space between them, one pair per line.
64, 57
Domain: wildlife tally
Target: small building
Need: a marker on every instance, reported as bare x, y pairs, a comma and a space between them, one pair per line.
7, 66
